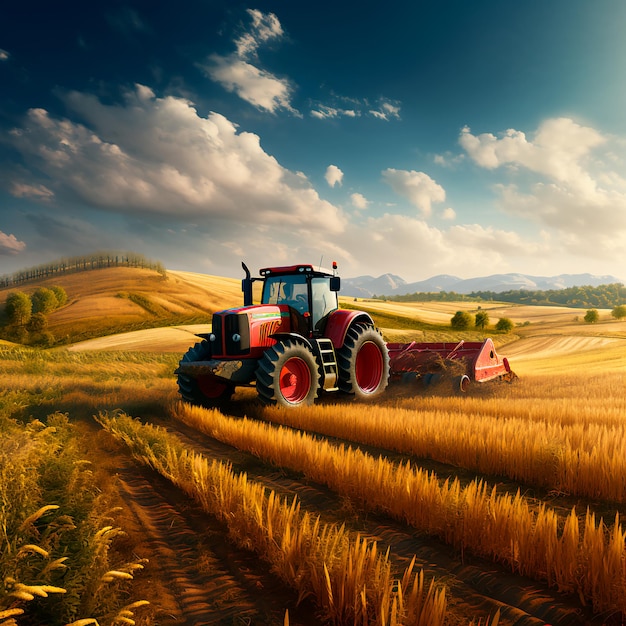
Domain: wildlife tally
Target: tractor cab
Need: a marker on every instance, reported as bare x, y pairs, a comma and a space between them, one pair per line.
311, 294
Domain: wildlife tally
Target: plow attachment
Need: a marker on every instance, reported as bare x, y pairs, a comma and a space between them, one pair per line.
465, 361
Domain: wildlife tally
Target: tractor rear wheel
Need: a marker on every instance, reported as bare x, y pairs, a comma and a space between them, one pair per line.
287, 375
206, 391
363, 362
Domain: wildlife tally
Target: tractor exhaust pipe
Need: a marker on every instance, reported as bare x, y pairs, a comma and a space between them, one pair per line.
246, 286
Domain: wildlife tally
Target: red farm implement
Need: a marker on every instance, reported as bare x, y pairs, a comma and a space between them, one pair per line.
467, 361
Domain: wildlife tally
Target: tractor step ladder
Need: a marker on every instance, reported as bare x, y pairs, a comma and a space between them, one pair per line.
326, 353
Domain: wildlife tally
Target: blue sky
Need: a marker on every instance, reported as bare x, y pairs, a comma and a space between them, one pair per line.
455, 137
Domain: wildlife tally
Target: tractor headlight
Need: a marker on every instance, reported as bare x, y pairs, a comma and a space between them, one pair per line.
211, 337
236, 338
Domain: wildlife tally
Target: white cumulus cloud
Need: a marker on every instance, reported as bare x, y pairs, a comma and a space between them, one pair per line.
333, 176
37, 192
323, 111
238, 74
359, 201
562, 176
410, 247
261, 89
557, 149
153, 155
9, 244
386, 110
417, 187
264, 28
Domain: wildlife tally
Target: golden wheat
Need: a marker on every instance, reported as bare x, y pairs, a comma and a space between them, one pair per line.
577, 457
560, 399
346, 574
504, 527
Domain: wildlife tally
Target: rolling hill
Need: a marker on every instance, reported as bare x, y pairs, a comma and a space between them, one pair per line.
111, 300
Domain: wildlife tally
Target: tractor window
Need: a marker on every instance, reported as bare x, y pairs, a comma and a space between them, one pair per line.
291, 290
324, 300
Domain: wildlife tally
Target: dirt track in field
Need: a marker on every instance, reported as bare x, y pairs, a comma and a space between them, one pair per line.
542, 347
169, 339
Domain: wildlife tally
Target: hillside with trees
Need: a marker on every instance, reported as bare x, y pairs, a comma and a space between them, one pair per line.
99, 295
25, 318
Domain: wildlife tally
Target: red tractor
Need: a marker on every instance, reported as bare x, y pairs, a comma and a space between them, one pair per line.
293, 345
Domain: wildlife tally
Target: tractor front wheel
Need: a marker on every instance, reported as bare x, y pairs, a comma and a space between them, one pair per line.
363, 362
287, 375
206, 391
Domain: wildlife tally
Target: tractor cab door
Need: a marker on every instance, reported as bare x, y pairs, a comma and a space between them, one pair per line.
323, 302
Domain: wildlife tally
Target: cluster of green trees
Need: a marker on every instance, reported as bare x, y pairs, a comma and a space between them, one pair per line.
464, 320
24, 317
592, 315
602, 296
69, 265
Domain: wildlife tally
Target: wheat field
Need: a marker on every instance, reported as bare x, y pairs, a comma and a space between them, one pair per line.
527, 478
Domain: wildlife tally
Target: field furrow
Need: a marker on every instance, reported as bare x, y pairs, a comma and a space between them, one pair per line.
475, 587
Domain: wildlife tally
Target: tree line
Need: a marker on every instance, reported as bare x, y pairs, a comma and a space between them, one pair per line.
69, 265
603, 296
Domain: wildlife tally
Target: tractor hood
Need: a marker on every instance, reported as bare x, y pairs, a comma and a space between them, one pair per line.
247, 331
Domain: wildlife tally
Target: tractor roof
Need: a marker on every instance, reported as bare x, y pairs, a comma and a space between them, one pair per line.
303, 268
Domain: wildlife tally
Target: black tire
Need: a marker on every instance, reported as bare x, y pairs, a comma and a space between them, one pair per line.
287, 375
363, 363
205, 391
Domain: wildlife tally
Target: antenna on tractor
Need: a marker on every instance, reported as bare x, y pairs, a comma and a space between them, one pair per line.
321, 259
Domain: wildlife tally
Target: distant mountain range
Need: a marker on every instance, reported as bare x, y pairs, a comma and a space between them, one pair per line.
392, 285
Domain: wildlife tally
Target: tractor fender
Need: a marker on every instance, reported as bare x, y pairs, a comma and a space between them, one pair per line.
295, 337
341, 320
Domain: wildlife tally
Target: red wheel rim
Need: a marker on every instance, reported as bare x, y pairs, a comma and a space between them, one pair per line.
210, 387
369, 367
295, 380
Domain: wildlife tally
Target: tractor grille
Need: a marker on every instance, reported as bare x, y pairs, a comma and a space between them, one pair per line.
228, 327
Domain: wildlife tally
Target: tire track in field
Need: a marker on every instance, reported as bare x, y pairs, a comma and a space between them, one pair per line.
198, 577
198, 586
478, 588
